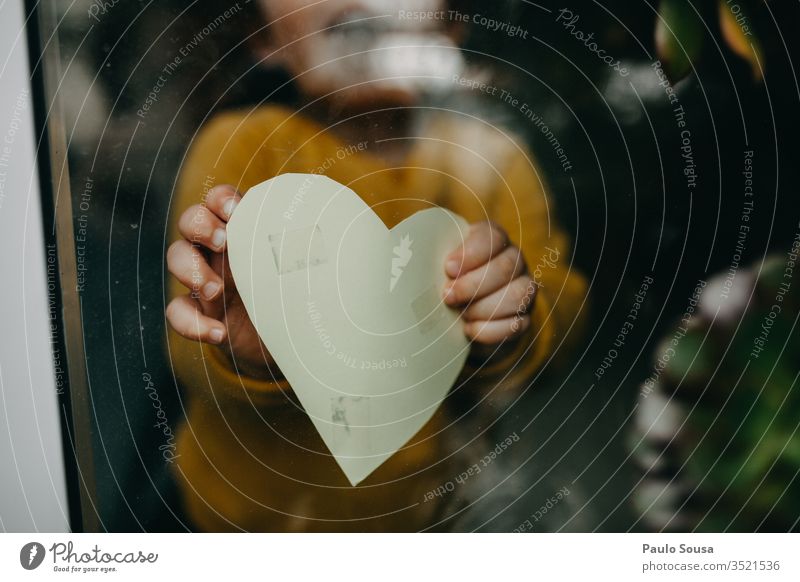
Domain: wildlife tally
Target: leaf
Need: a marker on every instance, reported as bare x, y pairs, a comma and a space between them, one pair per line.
689, 360
678, 37
738, 33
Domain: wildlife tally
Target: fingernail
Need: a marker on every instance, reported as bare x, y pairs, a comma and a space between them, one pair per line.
216, 335
451, 267
210, 289
449, 295
229, 206
218, 238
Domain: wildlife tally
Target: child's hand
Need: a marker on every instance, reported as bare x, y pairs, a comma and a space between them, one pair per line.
490, 279
212, 311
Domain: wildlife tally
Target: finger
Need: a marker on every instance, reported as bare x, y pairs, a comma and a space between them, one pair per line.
189, 266
222, 201
200, 226
186, 318
221, 266
494, 275
516, 298
484, 241
493, 332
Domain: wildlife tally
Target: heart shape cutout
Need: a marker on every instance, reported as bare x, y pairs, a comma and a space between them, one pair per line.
351, 311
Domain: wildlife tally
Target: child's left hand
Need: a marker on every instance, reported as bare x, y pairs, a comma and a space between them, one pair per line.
489, 278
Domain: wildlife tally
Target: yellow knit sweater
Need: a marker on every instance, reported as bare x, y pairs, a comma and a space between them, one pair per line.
248, 456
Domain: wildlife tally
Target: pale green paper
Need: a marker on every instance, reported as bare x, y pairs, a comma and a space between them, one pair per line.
351, 312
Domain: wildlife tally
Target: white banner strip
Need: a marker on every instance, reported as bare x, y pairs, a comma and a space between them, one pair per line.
379, 557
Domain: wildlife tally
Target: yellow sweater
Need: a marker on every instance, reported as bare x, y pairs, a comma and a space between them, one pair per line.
248, 456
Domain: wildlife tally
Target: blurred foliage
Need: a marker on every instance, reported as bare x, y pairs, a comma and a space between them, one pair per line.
679, 37
738, 35
682, 26
717, 439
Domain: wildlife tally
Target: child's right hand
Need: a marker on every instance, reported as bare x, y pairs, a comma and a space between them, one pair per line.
212, 311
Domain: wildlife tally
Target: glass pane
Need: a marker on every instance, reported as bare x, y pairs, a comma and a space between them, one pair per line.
639, 234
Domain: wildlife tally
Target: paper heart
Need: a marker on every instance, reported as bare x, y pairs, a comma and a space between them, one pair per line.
351, 311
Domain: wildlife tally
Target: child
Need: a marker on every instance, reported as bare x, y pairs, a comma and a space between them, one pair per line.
249, 457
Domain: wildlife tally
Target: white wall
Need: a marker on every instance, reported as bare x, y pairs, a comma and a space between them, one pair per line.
32, 489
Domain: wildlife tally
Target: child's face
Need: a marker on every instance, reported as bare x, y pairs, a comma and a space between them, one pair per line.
363, 53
